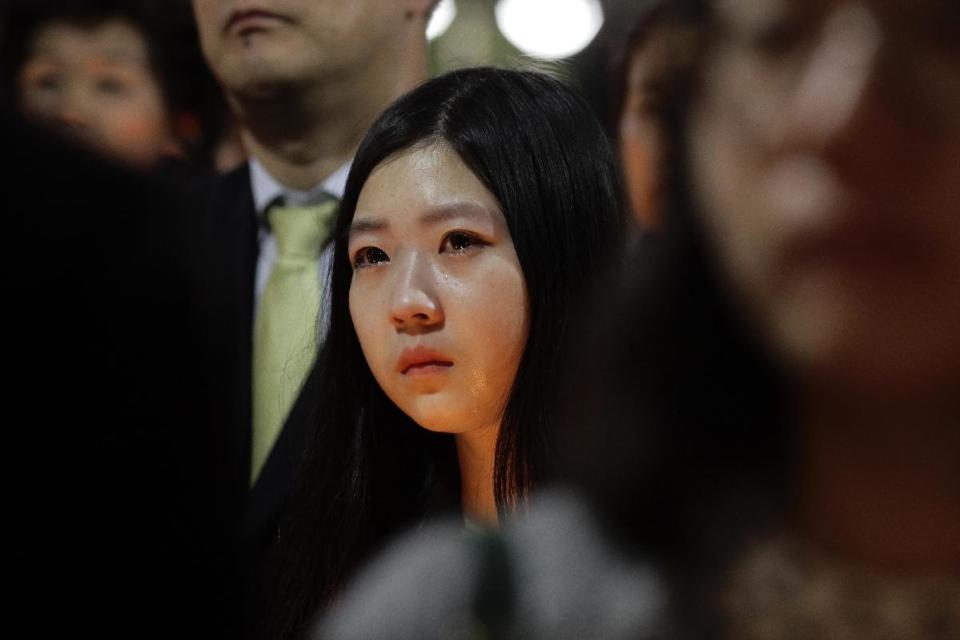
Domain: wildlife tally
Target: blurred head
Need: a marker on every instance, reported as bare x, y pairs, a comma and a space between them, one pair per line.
126, 75
257, 47
825, 151
810, 262
459, 259
659, 47
95, 81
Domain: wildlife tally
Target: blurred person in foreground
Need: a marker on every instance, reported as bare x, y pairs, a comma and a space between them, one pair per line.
771, 445
124, 77
107, 529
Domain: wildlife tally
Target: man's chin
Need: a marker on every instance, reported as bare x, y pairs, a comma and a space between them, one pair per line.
264, 79
261, 67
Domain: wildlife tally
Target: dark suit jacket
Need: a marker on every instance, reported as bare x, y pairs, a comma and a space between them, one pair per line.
226, 246
229, 246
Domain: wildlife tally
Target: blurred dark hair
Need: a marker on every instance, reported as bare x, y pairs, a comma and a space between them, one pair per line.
539, 150
682, 432
191, 95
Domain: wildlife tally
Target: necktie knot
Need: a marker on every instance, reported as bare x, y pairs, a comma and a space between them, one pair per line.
285, 332
301, 231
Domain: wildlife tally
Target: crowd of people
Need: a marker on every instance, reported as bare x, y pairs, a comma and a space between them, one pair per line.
318, 346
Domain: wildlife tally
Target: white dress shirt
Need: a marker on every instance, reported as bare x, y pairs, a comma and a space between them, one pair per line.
266, 189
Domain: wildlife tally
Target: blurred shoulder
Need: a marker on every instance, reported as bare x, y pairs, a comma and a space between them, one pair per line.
550, 574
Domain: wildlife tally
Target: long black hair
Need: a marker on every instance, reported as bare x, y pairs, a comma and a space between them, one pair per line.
538, 148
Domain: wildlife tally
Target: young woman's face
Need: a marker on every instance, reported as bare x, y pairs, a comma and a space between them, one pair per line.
97, 85
438, 299
826, 152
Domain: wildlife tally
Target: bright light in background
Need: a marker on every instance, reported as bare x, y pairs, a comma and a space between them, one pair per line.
549, 29
441, 19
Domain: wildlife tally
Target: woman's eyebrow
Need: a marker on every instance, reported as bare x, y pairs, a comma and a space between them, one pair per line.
444, 213
45, 53
122, 56
366, 225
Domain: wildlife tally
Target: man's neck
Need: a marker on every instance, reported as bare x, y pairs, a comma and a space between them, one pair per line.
301, 135
295, 165
299, 139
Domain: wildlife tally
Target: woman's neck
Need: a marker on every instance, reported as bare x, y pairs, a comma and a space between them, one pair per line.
880, 481
476, 452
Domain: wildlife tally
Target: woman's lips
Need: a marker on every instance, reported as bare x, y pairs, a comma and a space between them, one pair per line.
418, 361
427, 368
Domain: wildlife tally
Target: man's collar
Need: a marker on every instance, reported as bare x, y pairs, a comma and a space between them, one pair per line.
266, 189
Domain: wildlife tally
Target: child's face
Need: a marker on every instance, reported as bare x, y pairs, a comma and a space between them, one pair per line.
96, 83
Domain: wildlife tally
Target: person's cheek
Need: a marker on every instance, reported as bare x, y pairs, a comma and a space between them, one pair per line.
639, 167
372, 325
136, 136
500, 328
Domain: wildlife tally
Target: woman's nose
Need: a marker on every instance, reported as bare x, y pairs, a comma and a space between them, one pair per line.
415, 306
74, 109
836, 86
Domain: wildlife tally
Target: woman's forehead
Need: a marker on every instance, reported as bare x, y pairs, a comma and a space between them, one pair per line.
423, 179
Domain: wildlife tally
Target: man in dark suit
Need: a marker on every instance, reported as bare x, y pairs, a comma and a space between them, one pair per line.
305, 79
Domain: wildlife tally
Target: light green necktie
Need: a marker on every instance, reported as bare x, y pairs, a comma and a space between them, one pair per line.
285, 334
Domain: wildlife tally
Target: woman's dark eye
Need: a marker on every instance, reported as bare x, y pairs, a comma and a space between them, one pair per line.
369, 256
113, 86
458, 242
47, 82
